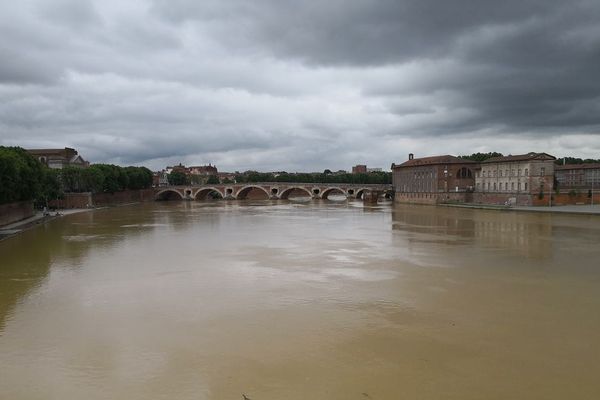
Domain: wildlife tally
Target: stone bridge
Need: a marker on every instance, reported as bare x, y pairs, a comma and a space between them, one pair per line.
269, 190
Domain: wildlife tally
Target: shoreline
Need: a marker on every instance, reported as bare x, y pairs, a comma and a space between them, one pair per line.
39, 218
567, 209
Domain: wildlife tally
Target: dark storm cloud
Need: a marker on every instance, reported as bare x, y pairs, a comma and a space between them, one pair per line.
299, 84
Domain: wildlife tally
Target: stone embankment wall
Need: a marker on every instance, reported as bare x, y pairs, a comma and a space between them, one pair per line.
13, 212
433, 198
563, 199
85, 200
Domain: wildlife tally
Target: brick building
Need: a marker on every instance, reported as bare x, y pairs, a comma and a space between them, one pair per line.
203, 170
524, 179
578, 176
431, 180
359, 169
59, 158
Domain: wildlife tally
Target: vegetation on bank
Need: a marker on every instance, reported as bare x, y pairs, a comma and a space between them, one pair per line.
479, 157
576, 160
326, 177
23, 178
105, 178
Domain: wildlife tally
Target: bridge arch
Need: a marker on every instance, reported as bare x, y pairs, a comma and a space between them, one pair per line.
168, 194
286, 193
243, 192
205, 193
332, 190
360, 192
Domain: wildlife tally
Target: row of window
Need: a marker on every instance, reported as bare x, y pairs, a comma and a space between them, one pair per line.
499, 187
492, 173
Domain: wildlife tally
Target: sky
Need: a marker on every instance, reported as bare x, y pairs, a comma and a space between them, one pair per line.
299, 85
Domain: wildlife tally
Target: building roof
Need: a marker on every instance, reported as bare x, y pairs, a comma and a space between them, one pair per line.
51, 151
520, 157
435, 160
577, 166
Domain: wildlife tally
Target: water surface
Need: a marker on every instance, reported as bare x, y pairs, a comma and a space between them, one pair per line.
323, 300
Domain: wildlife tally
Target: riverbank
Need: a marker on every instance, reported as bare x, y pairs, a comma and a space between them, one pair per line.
568, 209
9, 230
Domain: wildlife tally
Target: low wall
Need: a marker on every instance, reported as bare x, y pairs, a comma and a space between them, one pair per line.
85, 200
13, 212
126, 196
73, 200
564, 198
508, 198
433, 198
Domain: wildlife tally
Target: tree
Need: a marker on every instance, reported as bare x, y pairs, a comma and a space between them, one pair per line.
20, 175
50, 187
479, 157
178, 178
213, 180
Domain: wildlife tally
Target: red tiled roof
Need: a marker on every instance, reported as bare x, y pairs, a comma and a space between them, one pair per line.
435, 160
518, 157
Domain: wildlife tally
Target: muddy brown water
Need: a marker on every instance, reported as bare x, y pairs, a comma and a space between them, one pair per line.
319, 300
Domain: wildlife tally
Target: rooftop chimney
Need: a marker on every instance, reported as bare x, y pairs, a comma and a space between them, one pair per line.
411, 156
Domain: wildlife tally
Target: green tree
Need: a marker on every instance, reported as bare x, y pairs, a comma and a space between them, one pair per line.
479, 157
213, 180
178, 178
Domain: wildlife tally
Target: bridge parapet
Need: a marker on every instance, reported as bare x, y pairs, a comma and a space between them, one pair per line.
271, 190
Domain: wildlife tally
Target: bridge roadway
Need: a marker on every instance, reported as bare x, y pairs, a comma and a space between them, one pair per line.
273, 190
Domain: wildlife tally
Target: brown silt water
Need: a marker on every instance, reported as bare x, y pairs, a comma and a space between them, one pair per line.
317, 300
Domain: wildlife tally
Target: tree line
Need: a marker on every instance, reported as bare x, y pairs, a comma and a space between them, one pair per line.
23, 178
368, 178
479, 157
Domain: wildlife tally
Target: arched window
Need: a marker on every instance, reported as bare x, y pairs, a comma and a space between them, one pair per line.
464, 173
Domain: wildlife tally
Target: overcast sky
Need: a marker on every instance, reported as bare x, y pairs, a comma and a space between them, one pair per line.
299, 85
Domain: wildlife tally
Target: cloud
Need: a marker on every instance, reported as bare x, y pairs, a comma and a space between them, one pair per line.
308, 85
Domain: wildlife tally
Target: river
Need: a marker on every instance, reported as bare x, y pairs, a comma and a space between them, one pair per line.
323, 300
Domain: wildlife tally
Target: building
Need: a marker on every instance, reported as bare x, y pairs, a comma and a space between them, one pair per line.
359, 169
577, 176
177, 168
59, 158
525, 179
160, 178
203, 170
432, 180
369, 170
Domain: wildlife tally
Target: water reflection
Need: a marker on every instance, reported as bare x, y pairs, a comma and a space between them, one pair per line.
515, 233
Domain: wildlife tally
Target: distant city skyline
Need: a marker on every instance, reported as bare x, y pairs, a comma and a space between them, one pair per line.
299, 86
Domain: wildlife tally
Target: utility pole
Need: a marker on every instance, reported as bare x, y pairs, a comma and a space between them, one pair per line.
593, 179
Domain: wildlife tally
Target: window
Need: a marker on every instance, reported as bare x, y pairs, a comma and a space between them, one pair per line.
519, 187
525, 186
512, 186
526, 172
506, 172
542, 171
519, 171
464, 173
500, 173
494, 186
488, 186
506, 186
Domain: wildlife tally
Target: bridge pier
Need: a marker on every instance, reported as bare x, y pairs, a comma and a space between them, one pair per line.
371, 196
